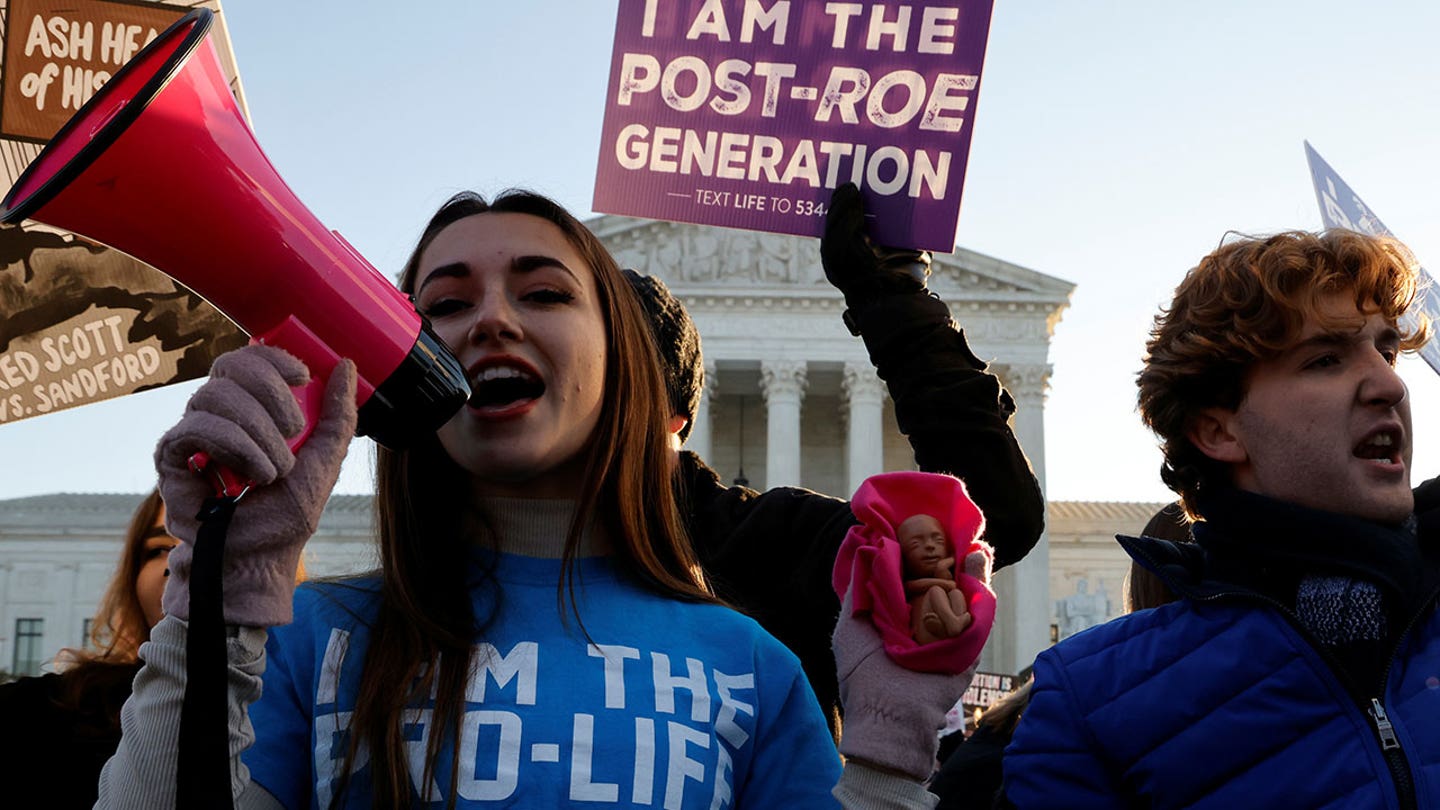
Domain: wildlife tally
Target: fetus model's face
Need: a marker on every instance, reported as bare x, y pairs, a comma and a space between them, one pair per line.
922, 544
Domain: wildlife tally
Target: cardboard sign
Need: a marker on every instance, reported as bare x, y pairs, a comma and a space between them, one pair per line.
1340, 207
59, 52
80, 322
748, 113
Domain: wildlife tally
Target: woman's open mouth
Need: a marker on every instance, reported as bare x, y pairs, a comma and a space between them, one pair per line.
504, 390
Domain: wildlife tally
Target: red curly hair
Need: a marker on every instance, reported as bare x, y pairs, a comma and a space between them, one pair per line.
1247, 302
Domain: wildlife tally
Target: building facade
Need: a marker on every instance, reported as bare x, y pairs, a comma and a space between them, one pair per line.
1089, 572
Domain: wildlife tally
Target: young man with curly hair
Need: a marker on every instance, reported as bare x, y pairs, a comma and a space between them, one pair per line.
1301, 665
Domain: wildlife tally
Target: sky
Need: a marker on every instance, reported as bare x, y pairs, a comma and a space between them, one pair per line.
1115, 143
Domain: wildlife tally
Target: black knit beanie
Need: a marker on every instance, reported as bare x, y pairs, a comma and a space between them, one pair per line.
678, 342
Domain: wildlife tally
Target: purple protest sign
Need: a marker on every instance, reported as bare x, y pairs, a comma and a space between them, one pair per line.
748, 113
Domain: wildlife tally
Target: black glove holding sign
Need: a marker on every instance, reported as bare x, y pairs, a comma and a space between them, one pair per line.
859, 268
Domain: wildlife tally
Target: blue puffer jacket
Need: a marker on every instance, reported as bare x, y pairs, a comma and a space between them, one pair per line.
1220, 701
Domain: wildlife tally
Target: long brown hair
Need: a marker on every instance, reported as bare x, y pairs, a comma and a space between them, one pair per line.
422, 637
117, 629
119, 626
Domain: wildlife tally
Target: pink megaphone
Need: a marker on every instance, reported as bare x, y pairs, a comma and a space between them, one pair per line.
161, 165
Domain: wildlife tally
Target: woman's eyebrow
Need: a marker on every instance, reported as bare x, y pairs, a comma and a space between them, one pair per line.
531, 263
452, 270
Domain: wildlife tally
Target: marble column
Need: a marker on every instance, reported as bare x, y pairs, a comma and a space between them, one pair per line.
864, 392
783, 384
700, 441
1024, 607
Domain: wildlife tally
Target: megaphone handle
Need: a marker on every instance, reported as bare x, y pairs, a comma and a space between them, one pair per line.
229, 485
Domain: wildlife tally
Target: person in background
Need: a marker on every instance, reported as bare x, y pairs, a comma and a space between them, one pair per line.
57, 730
539, 632
954, 412
1143, 588
971, 775
1298, 666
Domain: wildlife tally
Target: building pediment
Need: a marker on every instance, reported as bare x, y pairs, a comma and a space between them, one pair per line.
708, 260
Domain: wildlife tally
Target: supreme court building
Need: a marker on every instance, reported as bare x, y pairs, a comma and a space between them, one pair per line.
790, 399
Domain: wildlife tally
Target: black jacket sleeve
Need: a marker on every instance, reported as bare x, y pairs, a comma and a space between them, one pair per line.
955, 414
770, 554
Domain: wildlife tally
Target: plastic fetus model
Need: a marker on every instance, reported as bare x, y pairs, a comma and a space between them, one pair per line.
881, 578
937, 606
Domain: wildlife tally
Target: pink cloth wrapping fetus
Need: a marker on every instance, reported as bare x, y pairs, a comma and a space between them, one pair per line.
900, 566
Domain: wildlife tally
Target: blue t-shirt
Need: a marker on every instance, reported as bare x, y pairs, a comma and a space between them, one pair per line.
674, 705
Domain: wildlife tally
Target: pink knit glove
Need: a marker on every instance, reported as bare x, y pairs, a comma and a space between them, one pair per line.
893, 715
241, 417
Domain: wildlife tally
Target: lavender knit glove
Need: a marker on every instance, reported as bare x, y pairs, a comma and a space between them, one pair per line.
893, 715
241, 417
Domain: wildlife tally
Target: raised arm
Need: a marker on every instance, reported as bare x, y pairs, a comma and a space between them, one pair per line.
954, 412
241, 417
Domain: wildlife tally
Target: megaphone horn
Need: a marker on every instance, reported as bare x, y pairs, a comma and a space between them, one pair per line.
161, 165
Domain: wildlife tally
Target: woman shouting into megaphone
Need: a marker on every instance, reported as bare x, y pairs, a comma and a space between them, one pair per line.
538, 633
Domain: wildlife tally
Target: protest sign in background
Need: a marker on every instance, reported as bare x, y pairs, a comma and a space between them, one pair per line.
80, 322
748, 113
985, 689
1340, 207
